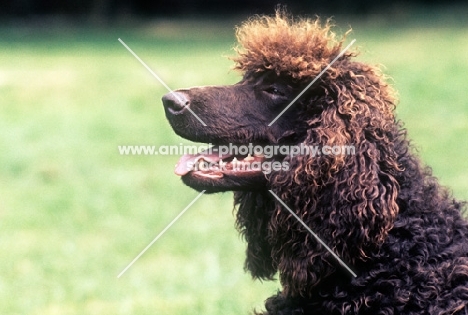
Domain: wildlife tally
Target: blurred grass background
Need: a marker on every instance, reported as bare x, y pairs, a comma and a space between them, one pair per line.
74, 213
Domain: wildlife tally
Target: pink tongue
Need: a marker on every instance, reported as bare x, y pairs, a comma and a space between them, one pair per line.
185, 164
187, 161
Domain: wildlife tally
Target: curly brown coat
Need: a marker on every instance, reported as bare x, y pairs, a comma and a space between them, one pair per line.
378, 209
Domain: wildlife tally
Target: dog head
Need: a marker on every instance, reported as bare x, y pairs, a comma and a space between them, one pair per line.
345, 187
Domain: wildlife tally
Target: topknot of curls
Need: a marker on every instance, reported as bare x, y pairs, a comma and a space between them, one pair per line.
299, 48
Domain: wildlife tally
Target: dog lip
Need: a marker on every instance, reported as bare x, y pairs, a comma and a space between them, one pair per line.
216, 167
209, 175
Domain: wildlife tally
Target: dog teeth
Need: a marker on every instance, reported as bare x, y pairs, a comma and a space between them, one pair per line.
201, 166
249, 158
234, 160
260, 155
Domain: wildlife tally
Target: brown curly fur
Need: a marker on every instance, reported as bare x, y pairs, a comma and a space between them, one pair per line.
353, 90
379, 209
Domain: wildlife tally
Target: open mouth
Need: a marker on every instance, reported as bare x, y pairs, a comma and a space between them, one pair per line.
213, 164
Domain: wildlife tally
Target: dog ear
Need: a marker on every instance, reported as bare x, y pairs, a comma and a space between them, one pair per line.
346, 191
360, 127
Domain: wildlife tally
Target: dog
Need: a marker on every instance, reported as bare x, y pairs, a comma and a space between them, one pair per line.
377, 207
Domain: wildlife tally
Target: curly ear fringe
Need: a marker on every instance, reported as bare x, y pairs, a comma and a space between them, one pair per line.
348, 200
297, 48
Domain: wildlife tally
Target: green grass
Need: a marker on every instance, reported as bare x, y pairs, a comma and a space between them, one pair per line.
74, 213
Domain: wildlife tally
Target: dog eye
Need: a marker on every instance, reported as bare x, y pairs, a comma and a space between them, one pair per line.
274, 91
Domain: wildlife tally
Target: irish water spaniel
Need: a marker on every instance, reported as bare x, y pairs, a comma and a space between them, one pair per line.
377, 207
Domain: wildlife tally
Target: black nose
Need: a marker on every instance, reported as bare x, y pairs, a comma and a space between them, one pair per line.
175, 102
